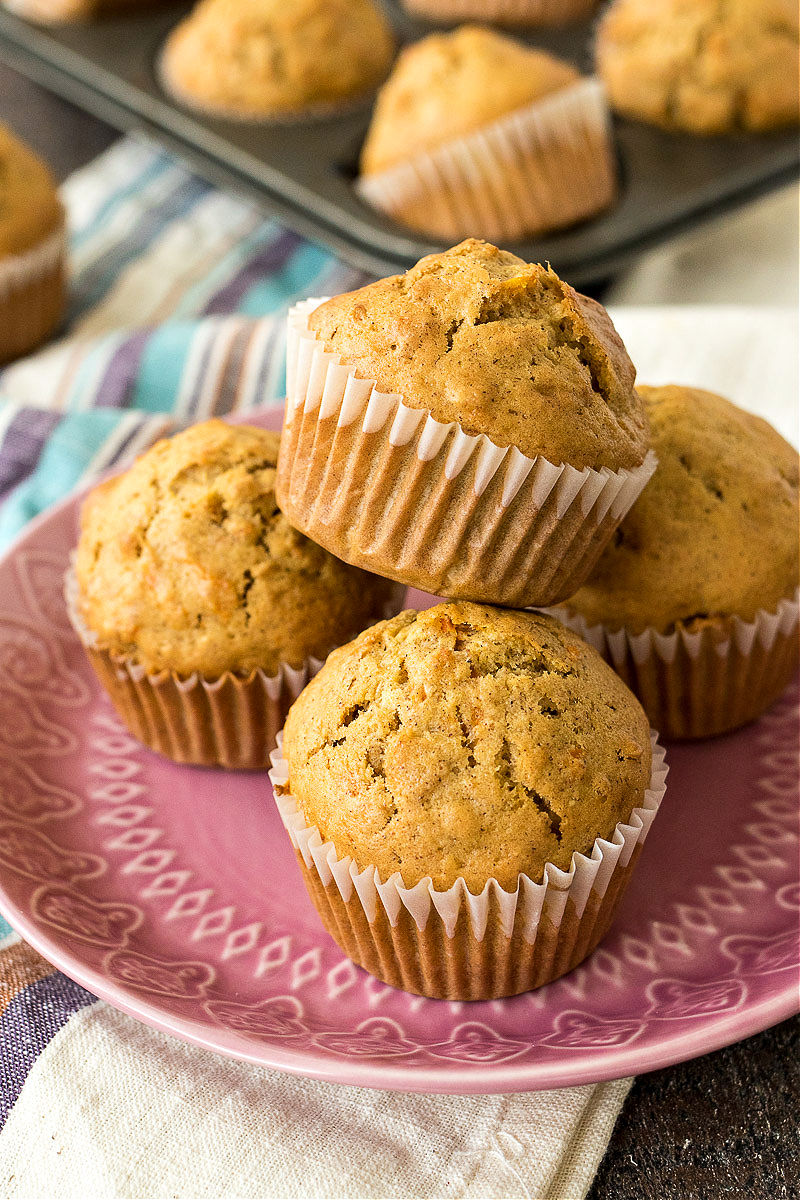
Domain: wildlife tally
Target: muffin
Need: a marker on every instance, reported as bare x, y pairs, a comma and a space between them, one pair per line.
470, 427
275, 58
532, 13
475, 133
202, 610
702, 66
694, 600
55, 11
467, 790
32, 249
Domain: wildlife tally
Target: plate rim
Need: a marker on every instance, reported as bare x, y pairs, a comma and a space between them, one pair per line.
590, 1065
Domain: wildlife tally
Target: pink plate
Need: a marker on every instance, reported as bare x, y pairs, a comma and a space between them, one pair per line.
146, 882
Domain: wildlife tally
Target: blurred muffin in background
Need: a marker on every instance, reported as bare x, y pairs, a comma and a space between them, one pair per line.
55, 11
531, 13
702, 66
271, 58
477, 134
32, 249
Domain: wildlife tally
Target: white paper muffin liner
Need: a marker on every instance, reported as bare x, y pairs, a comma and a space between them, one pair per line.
455, 944
231, 721
545, 166
506, 12
390, 489
704, 681
31, 294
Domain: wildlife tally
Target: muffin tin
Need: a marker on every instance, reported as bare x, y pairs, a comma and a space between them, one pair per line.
303, 171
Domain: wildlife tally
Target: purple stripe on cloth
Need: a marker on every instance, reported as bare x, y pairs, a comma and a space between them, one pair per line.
230, 377
23, 443
119, 381
268, 261
27, 1025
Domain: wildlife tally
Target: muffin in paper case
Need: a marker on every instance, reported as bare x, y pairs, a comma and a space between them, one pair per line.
703, 678
232, 721
546, 166
31, 295
390, 489
453, 944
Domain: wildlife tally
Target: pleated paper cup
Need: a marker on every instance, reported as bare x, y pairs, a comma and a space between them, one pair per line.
546, 166
231, 721
390, 489
503, 12
31, 295
454, 945
705, 680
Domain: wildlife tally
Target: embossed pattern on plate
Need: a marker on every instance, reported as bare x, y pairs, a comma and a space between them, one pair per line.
173, 893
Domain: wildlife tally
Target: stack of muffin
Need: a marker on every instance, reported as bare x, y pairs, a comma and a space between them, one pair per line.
467, 788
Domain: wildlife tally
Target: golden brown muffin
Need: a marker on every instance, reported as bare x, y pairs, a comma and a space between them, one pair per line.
701, 65
714, 533
503, 347
531, 13
185, 563
262, 58
30, 209
469, 742
450, 84
32, 241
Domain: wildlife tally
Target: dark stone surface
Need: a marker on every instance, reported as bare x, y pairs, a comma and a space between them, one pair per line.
723, 1127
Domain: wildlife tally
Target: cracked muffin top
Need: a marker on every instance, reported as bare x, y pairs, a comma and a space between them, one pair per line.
29, 206
707, 66
715, 531
450, 84
185, 562
267, 57
466, 741
503, 347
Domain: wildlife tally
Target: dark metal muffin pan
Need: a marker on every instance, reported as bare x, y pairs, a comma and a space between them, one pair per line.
303, 171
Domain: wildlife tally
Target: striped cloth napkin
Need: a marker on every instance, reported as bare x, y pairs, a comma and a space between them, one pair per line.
176, 309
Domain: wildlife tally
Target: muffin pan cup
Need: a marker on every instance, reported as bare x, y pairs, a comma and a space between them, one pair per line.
230, 722
530, 13
305, 172
704, 682
452, 944
31, 295
545, 166
390, 489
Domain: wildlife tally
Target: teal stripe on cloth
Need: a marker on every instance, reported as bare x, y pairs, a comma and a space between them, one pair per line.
162, 366
75, 441
294, 281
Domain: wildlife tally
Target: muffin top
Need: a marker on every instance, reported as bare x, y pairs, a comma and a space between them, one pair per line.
715, 531
504, 347
185, 562
701, 65
262, 57
30, 209
450, 84
466, 741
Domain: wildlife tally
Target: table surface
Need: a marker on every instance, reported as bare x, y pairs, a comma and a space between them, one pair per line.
724, 1125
